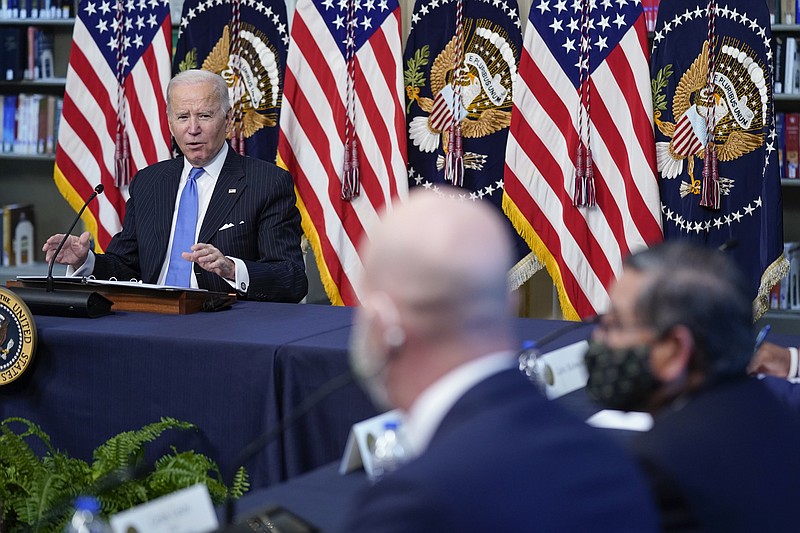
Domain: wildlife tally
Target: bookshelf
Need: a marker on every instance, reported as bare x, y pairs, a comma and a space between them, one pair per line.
788, 102
28, 177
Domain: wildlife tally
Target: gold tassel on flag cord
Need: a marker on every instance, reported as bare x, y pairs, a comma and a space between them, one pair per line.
351, 176
454, 162
584, 194
237, 127
710, 193
122, 173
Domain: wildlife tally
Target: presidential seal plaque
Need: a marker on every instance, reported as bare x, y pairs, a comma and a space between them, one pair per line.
17, 337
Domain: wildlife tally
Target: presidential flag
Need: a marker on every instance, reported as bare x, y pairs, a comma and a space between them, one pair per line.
114, 118
245, 43
580, 183
715, 134
461, 60
342, 129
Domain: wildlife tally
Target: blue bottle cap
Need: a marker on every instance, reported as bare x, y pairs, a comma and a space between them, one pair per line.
87, 503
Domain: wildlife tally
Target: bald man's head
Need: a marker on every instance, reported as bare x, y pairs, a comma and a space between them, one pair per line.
443, 262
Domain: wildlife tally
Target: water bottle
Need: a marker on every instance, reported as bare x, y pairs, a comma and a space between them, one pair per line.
531, 364
86, 518
389, 452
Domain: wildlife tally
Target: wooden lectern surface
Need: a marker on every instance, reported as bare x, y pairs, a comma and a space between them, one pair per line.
138, 298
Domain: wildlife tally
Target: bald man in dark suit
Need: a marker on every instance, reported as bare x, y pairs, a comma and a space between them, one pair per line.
244, 227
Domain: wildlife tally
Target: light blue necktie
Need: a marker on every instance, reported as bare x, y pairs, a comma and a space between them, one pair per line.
179, 270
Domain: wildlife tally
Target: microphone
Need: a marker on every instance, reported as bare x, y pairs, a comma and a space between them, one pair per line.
70, 302
97, 190
260, 442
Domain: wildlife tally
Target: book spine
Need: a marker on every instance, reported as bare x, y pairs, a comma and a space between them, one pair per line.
792, 125
779, 62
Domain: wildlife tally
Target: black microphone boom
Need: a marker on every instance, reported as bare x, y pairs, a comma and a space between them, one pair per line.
72, 303
326, 389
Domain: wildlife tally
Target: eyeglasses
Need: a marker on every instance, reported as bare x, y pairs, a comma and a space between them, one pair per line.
607, 324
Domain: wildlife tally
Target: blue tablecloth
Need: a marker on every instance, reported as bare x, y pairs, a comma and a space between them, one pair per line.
235, 374
92, 379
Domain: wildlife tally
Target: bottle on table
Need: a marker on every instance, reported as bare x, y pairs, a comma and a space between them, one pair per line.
389, 452
87, 518
532, 365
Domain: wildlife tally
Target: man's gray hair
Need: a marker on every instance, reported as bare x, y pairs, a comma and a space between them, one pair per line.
196, 76
703, 290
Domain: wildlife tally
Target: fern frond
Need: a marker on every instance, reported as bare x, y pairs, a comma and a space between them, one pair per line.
183, 470
127, 448
124, 497
47, 491
16, 455
240, 485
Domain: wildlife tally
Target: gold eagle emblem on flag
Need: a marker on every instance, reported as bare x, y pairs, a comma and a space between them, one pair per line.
485, 90
736, 112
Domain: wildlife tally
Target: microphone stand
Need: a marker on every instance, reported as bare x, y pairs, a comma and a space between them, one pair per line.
97, 190
70, 303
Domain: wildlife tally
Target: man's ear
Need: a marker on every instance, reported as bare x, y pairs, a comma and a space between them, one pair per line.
388, 321
672, 354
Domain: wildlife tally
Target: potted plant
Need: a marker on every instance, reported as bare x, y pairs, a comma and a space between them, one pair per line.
36, 492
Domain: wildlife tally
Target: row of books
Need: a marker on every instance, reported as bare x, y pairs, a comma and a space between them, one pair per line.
26, 53
786, 294
30, 123
783, 11
787, 128
16, 235
786, 64
37, 9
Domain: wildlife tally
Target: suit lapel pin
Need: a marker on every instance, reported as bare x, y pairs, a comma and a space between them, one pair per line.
231, 191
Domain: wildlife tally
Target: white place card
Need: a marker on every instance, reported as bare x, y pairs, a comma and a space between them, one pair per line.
362, 439
627, 420
186, 511
564, 370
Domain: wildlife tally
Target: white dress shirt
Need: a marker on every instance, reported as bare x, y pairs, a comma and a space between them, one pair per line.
206, 183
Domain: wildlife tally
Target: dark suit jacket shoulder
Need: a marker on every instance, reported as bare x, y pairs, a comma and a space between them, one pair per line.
252, 216
727, 460
506, 459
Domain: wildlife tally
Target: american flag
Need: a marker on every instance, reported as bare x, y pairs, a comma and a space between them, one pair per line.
114, 119
583, 247
313, 128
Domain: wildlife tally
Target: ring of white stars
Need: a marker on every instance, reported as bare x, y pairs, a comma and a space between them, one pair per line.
257, 5
108, 10
481, 194
661, 33
427, 7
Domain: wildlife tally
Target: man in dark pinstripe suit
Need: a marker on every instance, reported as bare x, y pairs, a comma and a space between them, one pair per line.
248, 227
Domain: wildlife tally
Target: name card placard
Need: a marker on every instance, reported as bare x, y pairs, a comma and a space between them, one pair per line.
564, 370
358, 450
186, 511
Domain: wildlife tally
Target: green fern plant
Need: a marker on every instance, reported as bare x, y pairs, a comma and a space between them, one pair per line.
36, 491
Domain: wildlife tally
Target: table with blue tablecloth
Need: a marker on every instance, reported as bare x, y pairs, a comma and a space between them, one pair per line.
235, 374
94, 378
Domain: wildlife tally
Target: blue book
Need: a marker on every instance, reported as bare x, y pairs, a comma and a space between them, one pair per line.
9, 121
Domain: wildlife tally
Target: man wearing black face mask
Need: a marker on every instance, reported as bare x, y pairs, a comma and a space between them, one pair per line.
723, 454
